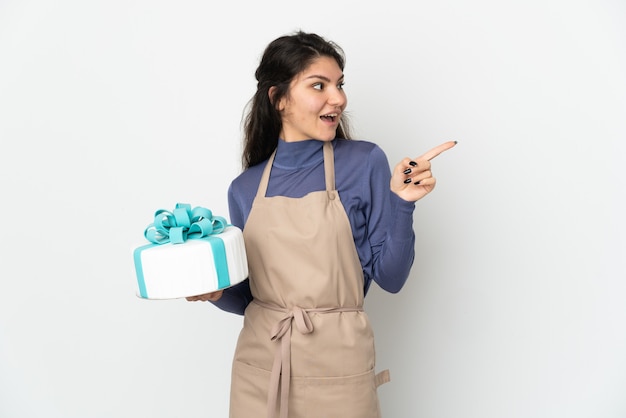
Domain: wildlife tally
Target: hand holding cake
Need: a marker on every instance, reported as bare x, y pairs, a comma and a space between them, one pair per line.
207, 297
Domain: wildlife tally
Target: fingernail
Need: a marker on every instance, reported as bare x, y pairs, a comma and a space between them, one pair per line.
407, 181
407, 171
413, 163
417, 182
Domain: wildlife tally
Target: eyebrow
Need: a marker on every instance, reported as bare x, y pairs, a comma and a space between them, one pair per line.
323, 77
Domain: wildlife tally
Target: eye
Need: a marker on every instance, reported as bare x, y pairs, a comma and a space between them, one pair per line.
318, 86
340, 85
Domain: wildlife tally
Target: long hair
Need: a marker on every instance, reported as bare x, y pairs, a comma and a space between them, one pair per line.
283, 59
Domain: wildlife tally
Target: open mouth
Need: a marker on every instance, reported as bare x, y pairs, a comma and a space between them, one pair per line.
331, 117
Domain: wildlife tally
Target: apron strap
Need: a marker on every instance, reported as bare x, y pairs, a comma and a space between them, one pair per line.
281, 332
382, 378
329, 166
265, 177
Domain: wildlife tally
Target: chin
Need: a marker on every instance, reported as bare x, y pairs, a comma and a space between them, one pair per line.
328, 137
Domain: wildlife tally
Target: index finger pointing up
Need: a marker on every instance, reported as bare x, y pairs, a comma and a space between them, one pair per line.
429, 155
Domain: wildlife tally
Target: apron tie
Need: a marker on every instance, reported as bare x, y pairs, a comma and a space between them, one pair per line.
281, 369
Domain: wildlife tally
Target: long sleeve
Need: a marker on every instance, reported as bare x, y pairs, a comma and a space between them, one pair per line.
382, 223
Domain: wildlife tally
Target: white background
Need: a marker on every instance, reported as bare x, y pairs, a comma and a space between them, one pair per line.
110, 110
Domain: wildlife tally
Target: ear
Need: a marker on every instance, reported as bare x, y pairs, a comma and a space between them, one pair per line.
270, 94
281, 104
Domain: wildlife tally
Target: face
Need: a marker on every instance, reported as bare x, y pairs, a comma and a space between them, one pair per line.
313, 106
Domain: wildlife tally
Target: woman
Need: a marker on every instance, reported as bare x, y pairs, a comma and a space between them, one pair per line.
322, 216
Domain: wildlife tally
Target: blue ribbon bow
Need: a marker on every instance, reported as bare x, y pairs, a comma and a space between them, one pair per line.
182, 224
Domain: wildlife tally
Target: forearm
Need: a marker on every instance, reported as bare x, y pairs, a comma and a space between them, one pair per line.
395, 257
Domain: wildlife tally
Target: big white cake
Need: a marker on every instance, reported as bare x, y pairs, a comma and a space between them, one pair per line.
191, 267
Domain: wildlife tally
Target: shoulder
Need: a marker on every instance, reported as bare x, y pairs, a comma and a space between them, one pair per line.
358, 145
361, 152
248, 181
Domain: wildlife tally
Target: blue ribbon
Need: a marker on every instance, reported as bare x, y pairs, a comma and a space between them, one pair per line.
176, 227
182, 224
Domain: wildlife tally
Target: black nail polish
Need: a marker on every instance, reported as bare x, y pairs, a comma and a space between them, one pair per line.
407, 171
417, 182
407, 181
413, 164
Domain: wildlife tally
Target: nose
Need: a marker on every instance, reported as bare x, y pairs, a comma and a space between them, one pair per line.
337, 97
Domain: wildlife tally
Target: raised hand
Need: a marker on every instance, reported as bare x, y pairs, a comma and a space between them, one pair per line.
412, 179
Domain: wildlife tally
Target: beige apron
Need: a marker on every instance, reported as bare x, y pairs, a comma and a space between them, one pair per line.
306, 349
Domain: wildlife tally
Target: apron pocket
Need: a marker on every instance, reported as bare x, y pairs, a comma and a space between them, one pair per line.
334, 397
